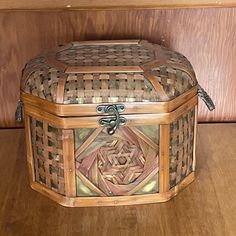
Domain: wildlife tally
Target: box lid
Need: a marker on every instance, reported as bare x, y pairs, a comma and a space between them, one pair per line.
133, 72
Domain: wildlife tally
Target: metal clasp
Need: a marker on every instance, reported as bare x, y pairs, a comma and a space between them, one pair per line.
113, 121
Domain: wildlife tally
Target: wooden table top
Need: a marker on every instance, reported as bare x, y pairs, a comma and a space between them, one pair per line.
206, 207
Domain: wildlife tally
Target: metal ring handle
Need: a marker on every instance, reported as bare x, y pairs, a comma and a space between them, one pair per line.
115, 120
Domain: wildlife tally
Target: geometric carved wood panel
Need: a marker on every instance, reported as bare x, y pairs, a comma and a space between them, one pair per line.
125, 163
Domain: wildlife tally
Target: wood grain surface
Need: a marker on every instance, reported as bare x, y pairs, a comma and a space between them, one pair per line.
205, 36
107, 4
206, 207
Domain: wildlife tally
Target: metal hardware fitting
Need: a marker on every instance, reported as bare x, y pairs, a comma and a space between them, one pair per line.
19, 112
115, 120
206, 98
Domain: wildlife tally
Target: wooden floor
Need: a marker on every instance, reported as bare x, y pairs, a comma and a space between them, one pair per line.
206, 207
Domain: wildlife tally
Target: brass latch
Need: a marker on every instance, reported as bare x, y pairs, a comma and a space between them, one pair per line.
113, 121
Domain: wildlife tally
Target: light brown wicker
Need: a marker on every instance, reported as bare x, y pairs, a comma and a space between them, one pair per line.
110, 122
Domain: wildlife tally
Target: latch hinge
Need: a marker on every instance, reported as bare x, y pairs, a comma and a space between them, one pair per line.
113, 121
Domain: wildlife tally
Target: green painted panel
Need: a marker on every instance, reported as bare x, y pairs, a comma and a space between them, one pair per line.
82, 190
150, 187
81, 135
151, 131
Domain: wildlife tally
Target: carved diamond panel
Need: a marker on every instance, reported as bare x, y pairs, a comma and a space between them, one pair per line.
121, 164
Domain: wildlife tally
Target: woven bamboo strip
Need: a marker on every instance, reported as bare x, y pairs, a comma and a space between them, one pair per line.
34, 133
164, 182
182, 67
46, 154
160, 55
29, 147
152, 64
53, 63
69, 162
61, 88
113, 201
161, 58
102, 69
169, 72
28, 72
157, 86
182, 142
107, 42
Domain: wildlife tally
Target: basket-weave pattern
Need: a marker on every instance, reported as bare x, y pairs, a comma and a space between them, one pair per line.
44, 83
175, 81
46, 77
47, 154
103, 88
105, 55
181, 151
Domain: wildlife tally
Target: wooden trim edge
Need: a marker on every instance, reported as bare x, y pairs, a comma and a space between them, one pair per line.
113, 201
29, 151
164, 183
69, 162
64, 110
102, 69
92, 121
106, 42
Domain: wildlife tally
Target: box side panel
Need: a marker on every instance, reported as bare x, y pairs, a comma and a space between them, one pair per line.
47, 155
182, 147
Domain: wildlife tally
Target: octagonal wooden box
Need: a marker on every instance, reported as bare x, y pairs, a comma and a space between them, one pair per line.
110, 123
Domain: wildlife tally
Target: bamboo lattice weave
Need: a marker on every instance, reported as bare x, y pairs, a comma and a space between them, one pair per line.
47, 154
106, 55
181, 147
103, 88
166, 74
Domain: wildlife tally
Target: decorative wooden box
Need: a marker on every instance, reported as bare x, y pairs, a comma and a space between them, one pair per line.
110, 123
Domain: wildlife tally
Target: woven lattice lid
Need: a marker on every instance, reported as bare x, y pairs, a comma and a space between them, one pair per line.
107, 72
